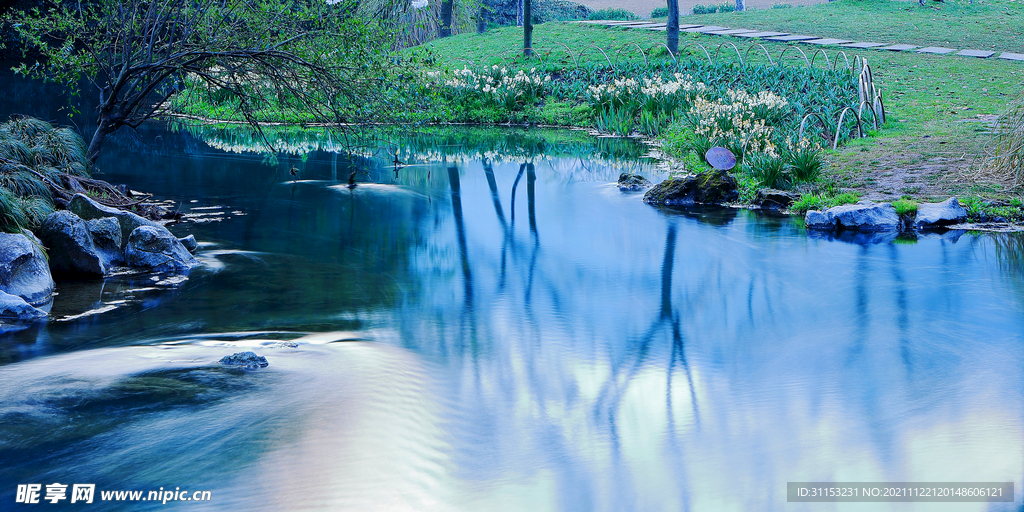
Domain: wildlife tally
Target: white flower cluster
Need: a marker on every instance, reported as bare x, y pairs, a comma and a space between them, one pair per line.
623, 90
499, 82
740, 118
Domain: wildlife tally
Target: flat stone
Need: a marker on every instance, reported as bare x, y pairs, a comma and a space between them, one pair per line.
862, 45
981, 54
650, 25
684, 27
709, 28
936, 50
793, 37
659, 29
1011, 56
898, 47
826, 41
732, 31
762, 34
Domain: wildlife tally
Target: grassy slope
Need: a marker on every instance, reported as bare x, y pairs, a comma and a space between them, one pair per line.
983, 25
934, 102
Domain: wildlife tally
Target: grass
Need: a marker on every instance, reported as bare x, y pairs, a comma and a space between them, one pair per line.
904, 206
823, 201
982, 25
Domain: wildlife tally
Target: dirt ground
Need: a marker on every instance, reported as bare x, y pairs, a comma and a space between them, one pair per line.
643, 8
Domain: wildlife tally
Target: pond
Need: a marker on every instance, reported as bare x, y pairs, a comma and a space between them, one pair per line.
495, 326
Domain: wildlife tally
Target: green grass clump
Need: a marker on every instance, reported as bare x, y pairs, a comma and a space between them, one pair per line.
660, 12
823, 201
904, 206
616, 13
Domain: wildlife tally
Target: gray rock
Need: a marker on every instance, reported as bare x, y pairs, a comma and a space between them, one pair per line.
190, 243
14, 308
70, 245
23, 268
157, 249
248, 360
930, 215
106, 236
710, 187
863, 216
88, 209
771, 199
632, 182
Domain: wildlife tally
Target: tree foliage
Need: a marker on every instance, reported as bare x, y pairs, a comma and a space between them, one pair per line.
302, 54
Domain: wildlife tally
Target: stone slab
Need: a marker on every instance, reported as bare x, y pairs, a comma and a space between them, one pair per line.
684, 27
1012, 56
981, 54
659, 29
731, 32
936, 50
793, 37
826, 41
763, 34
709, 28
898, 47
648, 25
862, 45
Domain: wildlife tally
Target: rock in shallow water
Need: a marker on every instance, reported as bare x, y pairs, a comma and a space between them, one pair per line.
23, 268
14, 308
70, 245
930, 215
711, 187
632, 182
157, 249
248, 360
863, 216
88, 209
771, 199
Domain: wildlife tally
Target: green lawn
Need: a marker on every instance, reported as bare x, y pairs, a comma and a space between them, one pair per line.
937, 104
982, 25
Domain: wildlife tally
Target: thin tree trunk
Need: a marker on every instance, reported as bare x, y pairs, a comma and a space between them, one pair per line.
741, 6
102, 129
481, 21
673, 26
446, 17
527, 27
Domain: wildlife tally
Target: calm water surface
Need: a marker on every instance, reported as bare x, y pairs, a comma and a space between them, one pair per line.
435, 345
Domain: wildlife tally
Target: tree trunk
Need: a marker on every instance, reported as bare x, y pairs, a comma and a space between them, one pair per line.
673, 26
527, 28
446, 17
481, 21
741, 6
102, 129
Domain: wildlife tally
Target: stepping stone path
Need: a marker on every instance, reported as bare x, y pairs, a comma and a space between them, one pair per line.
800, 38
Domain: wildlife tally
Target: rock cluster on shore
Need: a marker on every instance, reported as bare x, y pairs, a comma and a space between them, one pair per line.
87, 239
877, 222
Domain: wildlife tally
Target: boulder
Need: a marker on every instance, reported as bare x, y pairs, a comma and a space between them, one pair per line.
930, 215
247, 360
23, 268
632, 182
88, 209
14, 308
156, 248
106, 236
190, 243
864, 216
710, 187
772, 199
70, 245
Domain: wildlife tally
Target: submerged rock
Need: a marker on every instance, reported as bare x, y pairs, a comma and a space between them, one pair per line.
711, 187
157, 249
248, 360
772, 199
864, 216
70, 245
23, 268
632, 182
14, 308
931, 215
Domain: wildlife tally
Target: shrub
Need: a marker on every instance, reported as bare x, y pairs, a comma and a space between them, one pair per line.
904, 206
781, 6
803, 160
616, 13
705, 9
726, 7
660, 12
769, 171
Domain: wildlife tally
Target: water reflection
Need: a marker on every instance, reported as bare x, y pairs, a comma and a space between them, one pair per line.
601, 355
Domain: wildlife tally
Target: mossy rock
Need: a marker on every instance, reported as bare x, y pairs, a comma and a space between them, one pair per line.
629, 181
711, 187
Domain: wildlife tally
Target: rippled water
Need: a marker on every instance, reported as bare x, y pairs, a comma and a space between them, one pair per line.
434, 345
